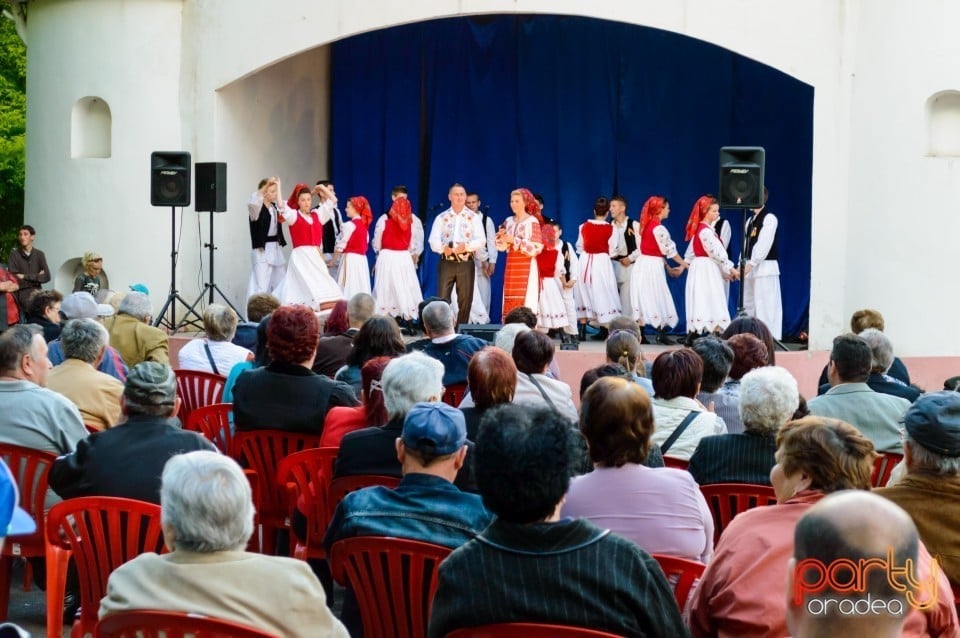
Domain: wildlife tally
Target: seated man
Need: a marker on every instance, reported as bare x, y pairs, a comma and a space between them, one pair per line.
96, 394
717, 359
82, 305
530, 566
850, 399
850, 526
207, 521
127, 460
446, 346
258, 306
930, 489
880, 380
133, 336
332, 351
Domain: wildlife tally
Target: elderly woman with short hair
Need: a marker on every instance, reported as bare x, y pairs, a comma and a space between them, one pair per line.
207, 518
214, 352
768, 399
662, 509
492, 377
532, 353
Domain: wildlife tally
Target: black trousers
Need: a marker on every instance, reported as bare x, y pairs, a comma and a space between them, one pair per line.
460, 274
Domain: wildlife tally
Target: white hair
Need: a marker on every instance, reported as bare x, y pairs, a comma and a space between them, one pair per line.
438, 318
508, 334
412, 378
136, 304
83, 339
206, 500
768, 398
922, 458
881, 348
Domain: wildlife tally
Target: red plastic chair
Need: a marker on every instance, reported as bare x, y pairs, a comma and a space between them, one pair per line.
672, 461
340, 487
30, 469
262, 451
309, 473
197, 389
453, 394
882, 468
682, 574
726, 500
213, 422
394, 580
101, 533
528, 630
171, 624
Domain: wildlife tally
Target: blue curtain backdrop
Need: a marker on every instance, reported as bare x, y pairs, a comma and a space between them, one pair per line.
573, 108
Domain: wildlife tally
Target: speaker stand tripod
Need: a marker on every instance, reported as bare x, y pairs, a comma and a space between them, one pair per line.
174, 296
211, 286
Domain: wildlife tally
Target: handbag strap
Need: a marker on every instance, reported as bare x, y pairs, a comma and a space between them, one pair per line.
687, 420
543, 393
213, 365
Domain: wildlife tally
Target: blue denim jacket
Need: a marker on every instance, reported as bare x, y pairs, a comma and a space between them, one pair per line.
423, 507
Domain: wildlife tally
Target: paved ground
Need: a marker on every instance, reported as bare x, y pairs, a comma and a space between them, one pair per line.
28, 609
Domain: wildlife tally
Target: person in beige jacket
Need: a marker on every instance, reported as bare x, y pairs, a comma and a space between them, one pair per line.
207, 518
133, 336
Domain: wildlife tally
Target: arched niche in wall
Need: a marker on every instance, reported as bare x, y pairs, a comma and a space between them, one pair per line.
90, 128
943, 124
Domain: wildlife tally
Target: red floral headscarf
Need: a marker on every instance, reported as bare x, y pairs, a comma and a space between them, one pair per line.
699, 211
651, 210
401, 212
295, 195
362, 206
530, 204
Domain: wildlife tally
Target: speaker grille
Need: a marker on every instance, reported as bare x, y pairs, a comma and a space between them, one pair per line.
170, 178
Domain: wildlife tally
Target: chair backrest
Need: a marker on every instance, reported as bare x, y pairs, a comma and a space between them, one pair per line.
882, 467
343, 485
394, 580
682, 574
197, 389
101, 533
528, 630
171, 624
262, 451
726, 500
672, 461
31, 470
453, 394
311, 471
213, 422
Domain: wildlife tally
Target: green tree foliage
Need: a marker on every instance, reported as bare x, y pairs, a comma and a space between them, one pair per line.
13, 110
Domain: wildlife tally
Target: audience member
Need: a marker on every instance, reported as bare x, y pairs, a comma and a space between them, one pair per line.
881, 350
260, 359
661, 510
768, 399
930, 489
420, 344
96, 395
9, 309
492, 377
623, 348
681, 420
334, 348
259, 305
717, 359
756, 327
133, 336
522, 315
860, 321
336, 322
28, 265
507, 336
82, 305
43, 310
877, 416
850, 526
749, 353
207, 513
446, 346
90, 280
127, 460
379, 336
214, 352
287, 394
370, 413
530, 565
532, 353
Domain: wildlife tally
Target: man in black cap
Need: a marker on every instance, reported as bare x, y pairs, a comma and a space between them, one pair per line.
930, 489
127, 460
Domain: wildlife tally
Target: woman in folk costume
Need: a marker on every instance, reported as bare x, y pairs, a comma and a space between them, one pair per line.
396, 286
553, 311
649, 294
307, 281
520, 237
351, 249
596, 290
709, 266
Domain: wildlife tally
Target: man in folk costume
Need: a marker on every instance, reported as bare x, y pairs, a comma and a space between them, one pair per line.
486, 263
706, 300
596, 290
327, 210
568, 272
761, 273
456, 235
266, 238
396, 286
627, 233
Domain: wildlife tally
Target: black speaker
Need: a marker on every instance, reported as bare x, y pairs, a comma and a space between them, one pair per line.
741, 176
485, 331
210, 187
170, 178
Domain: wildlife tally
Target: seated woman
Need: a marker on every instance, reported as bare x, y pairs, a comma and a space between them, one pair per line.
681, 420
741, 591
532, 352
755, 327
661, 510
492, 378
623, 348
214, 352
768, 399
749, 353
44, 311
379, 336
342, 420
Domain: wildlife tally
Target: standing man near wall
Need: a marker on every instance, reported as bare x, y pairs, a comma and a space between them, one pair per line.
456, 235
266, 238
331, 228
626, 231
761, 274
28, 265
488, 263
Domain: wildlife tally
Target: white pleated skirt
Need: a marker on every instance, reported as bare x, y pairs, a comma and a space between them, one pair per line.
596, 290
308, 282
553, 310
354, 275
395, 285
706, 301
649, 295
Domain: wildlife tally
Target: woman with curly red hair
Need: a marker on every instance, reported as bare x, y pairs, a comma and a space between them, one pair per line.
705, 297
649, 295
520, 237
351, 249
396, 286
